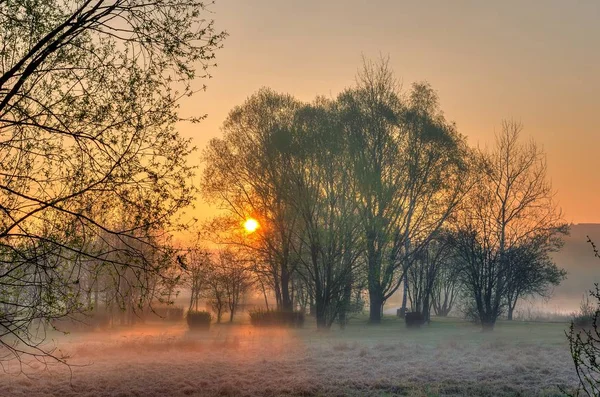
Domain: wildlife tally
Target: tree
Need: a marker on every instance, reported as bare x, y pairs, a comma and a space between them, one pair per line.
216, 292
248, 174
511, 208
409, 169
237, 279
446, 286
322, 195
92, 169
531, 270
424, 274
196, 266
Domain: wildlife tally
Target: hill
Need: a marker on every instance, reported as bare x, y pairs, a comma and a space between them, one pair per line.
583, 269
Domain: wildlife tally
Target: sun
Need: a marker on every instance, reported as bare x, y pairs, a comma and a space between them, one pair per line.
251, 225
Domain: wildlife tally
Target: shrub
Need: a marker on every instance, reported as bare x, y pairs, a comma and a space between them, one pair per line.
583, 321
262, 318
198, 320
584, 345
414, 319
585, 317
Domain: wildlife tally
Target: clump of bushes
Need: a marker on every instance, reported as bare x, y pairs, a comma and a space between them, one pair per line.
198, 320
414, 319
583, 321
265, 318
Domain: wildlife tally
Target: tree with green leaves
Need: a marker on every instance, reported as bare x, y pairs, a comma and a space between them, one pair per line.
531, 270
92, 168
248, 174
323, 189
408, 163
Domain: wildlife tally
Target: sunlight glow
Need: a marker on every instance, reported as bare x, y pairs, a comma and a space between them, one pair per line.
251, 225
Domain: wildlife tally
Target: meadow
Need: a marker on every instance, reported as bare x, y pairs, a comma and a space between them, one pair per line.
450, 357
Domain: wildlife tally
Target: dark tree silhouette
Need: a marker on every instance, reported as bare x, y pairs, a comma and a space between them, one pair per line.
584, 345
328, 238
531, 270
408, 163
425, 273
446, 287
510, 210
248, 174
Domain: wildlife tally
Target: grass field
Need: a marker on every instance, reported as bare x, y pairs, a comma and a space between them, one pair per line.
450, 357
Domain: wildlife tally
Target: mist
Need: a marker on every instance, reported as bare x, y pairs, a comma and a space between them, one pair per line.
298, 199
447, 358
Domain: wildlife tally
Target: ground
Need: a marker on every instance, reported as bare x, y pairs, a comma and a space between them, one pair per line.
450, 357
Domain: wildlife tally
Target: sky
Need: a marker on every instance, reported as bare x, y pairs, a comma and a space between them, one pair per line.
537, 62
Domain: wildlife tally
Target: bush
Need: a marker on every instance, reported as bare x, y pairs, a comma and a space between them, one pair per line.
585, 317
583, 321
198, 320
414, 319
584, 345
265, 318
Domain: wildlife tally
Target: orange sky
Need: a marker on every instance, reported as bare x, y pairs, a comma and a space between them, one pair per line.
534, 61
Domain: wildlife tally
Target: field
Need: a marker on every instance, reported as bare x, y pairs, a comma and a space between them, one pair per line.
448, 358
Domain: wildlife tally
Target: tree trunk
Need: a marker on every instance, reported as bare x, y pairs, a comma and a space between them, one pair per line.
191, 301
404, 293
312, 308
321, 315
343, 318
96, 308
375, 306
510, 312
488, 322
286, 301
426, 309
487, 325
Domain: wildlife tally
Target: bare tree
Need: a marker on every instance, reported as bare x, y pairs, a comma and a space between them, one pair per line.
425, 273
511, 207
196, 265
237, 279
216, 292
91, 167
446, 286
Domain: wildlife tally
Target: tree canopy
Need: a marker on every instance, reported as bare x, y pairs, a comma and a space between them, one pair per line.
92, 168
